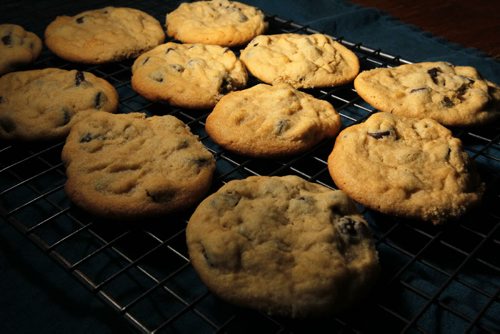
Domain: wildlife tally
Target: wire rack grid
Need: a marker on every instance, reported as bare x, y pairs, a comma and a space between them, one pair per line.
434, 279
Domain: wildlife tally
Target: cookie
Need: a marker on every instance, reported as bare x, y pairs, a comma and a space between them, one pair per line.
218, 22
451, 95
283, 246
269, 121
127, 166
303, 61
405, 167
188, 75
18, 47
44, 104
103, 35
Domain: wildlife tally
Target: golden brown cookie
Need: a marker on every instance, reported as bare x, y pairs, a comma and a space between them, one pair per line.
283, 246
17, 47
44, 104
103, 35
268, 121
303, 61
451, 95
188, 75
405, 167
126, 166
217, 22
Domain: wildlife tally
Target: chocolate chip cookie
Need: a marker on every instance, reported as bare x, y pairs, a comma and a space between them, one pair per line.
103, 35
188, 75
269, 121
44, 104
304, 61
127, 166
451, 95
218, 22
17, 47
282, 245
405, 167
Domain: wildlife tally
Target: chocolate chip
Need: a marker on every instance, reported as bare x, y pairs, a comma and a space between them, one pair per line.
66, 116
447, 102
79, 20
178, 68
281, 126
169, 49
379, 134
1, 99
7, 124
86, 138
418, 89
433, 72
242, 18
183, 144
79, 78
255, 44
160, 196
351, 230
226, 85
202, 162
100, 100
156, 76
7, 40
145, 61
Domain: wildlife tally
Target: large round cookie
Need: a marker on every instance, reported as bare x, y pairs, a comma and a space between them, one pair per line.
451, 95
103, 35
405, 167
44, 104
218, 22
282, 245
127, 166
17, 47
304, 61
268, 121
188, 75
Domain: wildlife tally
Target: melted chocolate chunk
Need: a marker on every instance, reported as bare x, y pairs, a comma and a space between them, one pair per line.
86, 138
226, 85
7, 40
7, 124
178, 68
66, 116
379, 134
281, 127
79, 78
79, 20
202, 162
351, 230
100, 100
433, 72
418, 89
447, 102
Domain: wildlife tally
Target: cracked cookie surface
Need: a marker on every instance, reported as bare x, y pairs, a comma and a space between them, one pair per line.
217, 22
128, 166
44, 104
405, 167
188, 75
303, 61
17, 47
269, 121
451, 95
103, 35
282, 245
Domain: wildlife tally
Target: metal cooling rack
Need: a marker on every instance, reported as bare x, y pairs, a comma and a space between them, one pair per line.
434, 279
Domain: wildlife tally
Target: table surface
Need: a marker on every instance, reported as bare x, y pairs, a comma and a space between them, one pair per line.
470, 23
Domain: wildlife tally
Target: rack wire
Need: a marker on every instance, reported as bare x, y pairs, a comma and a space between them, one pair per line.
434, 279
